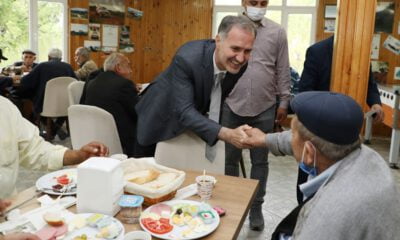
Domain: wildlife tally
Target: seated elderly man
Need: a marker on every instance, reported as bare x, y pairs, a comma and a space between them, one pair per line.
28, 61
350, 192
114, 91
21, 145
86, 65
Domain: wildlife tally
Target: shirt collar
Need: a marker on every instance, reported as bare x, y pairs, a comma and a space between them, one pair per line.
312, 185
216, 69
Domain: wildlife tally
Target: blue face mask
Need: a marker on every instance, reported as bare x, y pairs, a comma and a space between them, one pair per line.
312, 171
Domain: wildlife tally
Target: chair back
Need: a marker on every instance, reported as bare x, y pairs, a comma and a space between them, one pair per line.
56, 103
75, 90
90, 123
187, 151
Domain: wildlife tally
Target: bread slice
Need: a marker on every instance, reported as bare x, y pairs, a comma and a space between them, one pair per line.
53, 219
144, 176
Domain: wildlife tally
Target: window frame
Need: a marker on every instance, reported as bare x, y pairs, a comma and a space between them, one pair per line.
33, 26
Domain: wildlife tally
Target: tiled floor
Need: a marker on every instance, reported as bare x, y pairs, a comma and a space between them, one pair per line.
281, 195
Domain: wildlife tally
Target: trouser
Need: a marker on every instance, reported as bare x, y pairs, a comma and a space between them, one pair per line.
259, 156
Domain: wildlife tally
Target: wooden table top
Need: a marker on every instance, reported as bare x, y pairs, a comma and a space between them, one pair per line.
234, 194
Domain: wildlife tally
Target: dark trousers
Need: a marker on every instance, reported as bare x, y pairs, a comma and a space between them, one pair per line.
259, 156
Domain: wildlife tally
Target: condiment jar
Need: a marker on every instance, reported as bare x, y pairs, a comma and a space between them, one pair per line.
131, 207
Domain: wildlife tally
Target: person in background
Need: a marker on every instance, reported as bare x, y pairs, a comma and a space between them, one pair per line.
114, 91
200, 76
22, 145
350, 192
86, 65
316, 76
33, 85
253, 99
28, 61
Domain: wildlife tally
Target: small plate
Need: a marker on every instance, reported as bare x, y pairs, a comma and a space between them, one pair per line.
46, 182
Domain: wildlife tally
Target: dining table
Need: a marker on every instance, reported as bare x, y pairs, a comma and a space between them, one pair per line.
234, 194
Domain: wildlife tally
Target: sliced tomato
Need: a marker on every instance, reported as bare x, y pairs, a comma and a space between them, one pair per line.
63, 179
157, 226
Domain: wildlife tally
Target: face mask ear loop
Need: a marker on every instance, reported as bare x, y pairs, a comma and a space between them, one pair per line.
315, 154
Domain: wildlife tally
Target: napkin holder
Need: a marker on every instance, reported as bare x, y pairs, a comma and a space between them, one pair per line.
100, 185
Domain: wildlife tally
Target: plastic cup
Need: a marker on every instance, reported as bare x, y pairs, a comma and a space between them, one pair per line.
205, 185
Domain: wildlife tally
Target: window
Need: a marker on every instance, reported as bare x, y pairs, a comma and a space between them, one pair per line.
35, 24
298, 17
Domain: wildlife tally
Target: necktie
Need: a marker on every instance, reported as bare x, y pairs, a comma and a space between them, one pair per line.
215, 107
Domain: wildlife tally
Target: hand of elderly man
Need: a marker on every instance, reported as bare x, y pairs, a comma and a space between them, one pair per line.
380, 115
255, 138
281, 115
20, 236
4, 204
93, 149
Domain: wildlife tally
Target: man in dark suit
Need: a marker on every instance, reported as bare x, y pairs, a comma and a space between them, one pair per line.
33, 85
113, 91
28, 61
316, 76
179, 98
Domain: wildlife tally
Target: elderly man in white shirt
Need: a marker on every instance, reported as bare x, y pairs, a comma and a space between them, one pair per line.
21, 144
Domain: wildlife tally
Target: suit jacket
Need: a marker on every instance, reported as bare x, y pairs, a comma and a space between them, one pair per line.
33, 85
316, 74
179, 98
118, 96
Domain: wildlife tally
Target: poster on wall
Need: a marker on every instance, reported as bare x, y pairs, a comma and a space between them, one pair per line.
93, 46
125, 44
79, 29
397, 73
376, 43
392, 44
329, 25
94, 31
107, 11
110, 36
135, 13
330, 11
384, 17
79, 13
380, 70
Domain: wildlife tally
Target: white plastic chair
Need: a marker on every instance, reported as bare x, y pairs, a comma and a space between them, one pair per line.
187, 151
75, 90
55, 102
90, 123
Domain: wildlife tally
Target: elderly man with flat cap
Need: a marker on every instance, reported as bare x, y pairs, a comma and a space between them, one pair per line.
350, 192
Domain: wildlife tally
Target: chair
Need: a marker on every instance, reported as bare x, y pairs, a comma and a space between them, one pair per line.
90, 123
55, 103
75, 90
187, 151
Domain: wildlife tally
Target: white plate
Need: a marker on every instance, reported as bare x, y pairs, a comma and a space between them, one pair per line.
91, 231
46, 182
177, 230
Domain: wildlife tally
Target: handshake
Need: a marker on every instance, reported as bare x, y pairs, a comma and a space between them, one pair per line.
242, 137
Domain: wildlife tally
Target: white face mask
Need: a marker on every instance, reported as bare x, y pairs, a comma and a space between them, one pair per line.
255, 14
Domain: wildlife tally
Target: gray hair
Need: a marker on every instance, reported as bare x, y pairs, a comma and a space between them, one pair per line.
241, 22
111, 61
84, 52
55, 53
332, 151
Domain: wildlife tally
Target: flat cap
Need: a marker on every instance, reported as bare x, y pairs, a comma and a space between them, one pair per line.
28, 51
334, 117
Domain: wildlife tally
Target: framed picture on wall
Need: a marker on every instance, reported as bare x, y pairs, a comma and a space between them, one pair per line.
329, 25
107, 11
330, 11
384, 17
